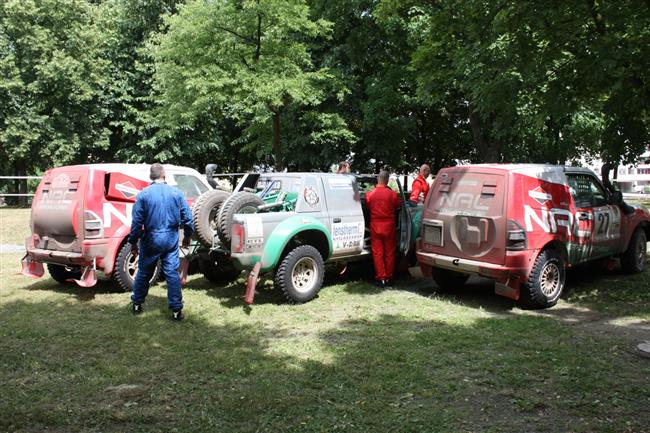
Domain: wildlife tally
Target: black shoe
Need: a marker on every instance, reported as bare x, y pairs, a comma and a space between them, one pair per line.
178, 315
136, 309
388, 283
380, 283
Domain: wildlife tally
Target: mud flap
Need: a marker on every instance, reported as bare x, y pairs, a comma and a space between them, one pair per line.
509, 289
31, 268
185, 265
251, 282
88, 276
185, 255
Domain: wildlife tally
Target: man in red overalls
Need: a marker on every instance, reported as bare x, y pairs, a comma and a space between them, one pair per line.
420, 185
382, 203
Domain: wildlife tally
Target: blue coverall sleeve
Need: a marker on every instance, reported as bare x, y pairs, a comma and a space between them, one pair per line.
137, 219
186, 218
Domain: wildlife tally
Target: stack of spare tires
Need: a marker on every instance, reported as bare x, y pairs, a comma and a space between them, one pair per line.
212, 216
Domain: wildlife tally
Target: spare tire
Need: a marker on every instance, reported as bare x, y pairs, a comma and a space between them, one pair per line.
242, 202
204, 215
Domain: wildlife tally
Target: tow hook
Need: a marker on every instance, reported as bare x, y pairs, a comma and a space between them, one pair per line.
251, 282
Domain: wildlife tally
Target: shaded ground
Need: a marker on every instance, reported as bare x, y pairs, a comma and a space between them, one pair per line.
357, 358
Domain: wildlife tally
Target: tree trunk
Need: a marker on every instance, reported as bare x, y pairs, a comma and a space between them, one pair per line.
277, 147
487, 151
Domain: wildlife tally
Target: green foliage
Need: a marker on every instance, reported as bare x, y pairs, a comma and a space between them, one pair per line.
384, 83
51, 105
244, 60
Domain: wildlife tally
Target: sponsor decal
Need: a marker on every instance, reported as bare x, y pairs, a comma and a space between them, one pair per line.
62, 181
254, 227
311, 196
340, 182
540, 196
605, 221
347, 235
127, 189
462, 203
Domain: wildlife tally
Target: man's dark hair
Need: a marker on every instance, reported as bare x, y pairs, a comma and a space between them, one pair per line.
156, 171
383, 177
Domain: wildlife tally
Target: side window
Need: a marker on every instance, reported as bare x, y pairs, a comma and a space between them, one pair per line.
586, 191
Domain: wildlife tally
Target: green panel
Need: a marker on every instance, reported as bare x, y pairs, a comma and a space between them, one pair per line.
286, 230
416, 222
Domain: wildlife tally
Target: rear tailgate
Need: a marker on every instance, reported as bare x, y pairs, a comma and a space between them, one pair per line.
57, 209
465, 215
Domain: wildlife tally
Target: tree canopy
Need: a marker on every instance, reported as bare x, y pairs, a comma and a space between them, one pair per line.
380, 82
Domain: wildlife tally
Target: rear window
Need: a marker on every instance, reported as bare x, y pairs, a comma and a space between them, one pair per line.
190, 186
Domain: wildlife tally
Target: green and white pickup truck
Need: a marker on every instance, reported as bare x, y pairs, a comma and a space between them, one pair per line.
292, 224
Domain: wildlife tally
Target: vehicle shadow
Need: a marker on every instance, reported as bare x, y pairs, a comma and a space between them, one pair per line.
94, 367
476, 293
103, 286
232, 295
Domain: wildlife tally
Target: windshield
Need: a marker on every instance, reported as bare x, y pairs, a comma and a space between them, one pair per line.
190, 186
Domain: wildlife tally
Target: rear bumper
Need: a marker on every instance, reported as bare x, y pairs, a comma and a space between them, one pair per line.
508, 276
90, 250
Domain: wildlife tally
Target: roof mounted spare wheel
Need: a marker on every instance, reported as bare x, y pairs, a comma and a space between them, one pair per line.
238, 203
204, 215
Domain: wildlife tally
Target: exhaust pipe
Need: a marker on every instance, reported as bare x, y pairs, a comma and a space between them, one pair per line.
209, 172
604, 175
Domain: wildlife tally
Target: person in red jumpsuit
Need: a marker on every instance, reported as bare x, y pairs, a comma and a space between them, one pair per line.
420, 186
382, 203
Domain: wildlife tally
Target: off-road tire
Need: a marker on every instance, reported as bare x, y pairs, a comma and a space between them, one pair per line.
634, 257
307, 259
124, 272
545, 283
218, 269
241, 202
204, 215
62, 275
448, 280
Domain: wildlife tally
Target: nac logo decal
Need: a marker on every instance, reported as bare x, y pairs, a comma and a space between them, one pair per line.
450, 203
110, 211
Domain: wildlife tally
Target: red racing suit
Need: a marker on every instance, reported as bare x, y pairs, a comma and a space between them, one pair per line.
382, 203
420, 186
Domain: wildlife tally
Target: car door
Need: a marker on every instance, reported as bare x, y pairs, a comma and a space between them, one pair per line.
405, 219
597, 223
345, 214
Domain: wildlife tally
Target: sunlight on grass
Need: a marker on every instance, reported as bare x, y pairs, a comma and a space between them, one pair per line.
357, 358
14, 226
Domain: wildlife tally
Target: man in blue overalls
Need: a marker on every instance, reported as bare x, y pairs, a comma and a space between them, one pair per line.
160, 210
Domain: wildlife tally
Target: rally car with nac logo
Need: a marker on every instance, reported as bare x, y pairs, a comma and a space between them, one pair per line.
291, 224
524, 225
81, 217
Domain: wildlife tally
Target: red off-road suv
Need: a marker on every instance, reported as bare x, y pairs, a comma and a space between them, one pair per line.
81, 217
523, 225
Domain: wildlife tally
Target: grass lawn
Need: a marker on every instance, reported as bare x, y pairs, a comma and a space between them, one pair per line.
14, 226
356, 359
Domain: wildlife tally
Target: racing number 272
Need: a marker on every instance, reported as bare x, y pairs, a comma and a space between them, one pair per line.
603, 223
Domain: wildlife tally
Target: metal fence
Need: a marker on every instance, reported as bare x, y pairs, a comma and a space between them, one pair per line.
11, 178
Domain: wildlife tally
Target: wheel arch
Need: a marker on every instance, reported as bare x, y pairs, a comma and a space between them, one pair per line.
558, 246
108, 261
645, 226
294, 231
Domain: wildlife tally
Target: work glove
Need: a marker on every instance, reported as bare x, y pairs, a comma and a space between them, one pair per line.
135, 250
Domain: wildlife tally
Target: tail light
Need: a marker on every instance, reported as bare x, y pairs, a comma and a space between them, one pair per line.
93, 225
238, 238
517, 238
